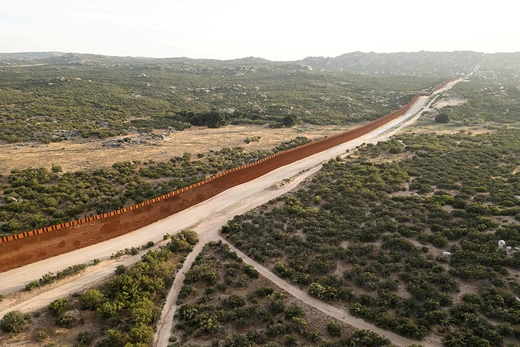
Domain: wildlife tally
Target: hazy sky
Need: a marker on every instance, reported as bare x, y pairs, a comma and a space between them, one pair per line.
272, 29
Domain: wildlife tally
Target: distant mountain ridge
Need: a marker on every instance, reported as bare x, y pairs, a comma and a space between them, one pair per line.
461, 62
423, 63
29, 55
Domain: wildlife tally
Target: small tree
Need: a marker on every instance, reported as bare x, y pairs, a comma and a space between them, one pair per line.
58, 307
56, 168
85, 338
251, 271
190, 236
14, 321
234, 301
289, 121
120, 269
442, 118
141, 334
334, 329
294, 311
92, 299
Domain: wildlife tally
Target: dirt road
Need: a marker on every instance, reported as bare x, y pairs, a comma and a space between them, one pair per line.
205, 218
208, 229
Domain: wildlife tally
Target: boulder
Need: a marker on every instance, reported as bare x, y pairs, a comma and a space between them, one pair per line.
229, 111
257, 109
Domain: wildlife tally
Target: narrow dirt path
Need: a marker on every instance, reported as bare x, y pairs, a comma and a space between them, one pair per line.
332, 311
208, 230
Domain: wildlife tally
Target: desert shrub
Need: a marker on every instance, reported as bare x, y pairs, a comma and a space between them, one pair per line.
86, 337
14, 321
58, 307
334, 329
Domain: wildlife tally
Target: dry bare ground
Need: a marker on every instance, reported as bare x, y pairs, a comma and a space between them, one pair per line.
205, 218
81, 154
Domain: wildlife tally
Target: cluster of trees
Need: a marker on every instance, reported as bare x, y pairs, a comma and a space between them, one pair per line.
386, 224
212, 119
218, 119
442, 118
38, 197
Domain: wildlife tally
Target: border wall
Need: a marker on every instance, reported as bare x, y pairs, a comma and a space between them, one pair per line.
31, 246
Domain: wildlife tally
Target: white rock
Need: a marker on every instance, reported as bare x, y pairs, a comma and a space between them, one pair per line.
228, 110
257, 109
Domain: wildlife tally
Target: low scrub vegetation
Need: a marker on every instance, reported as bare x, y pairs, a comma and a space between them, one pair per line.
394, 238
123, 311
38, 197
108, 96
225, 302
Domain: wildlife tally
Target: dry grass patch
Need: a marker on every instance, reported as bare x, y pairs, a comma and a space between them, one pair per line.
83, 154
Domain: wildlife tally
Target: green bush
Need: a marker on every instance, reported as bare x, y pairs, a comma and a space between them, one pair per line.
86, 337
32, 285
14, 321
234, 301
92, 299
251, 272
58, 307
442, 118
334, 329
65, 321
